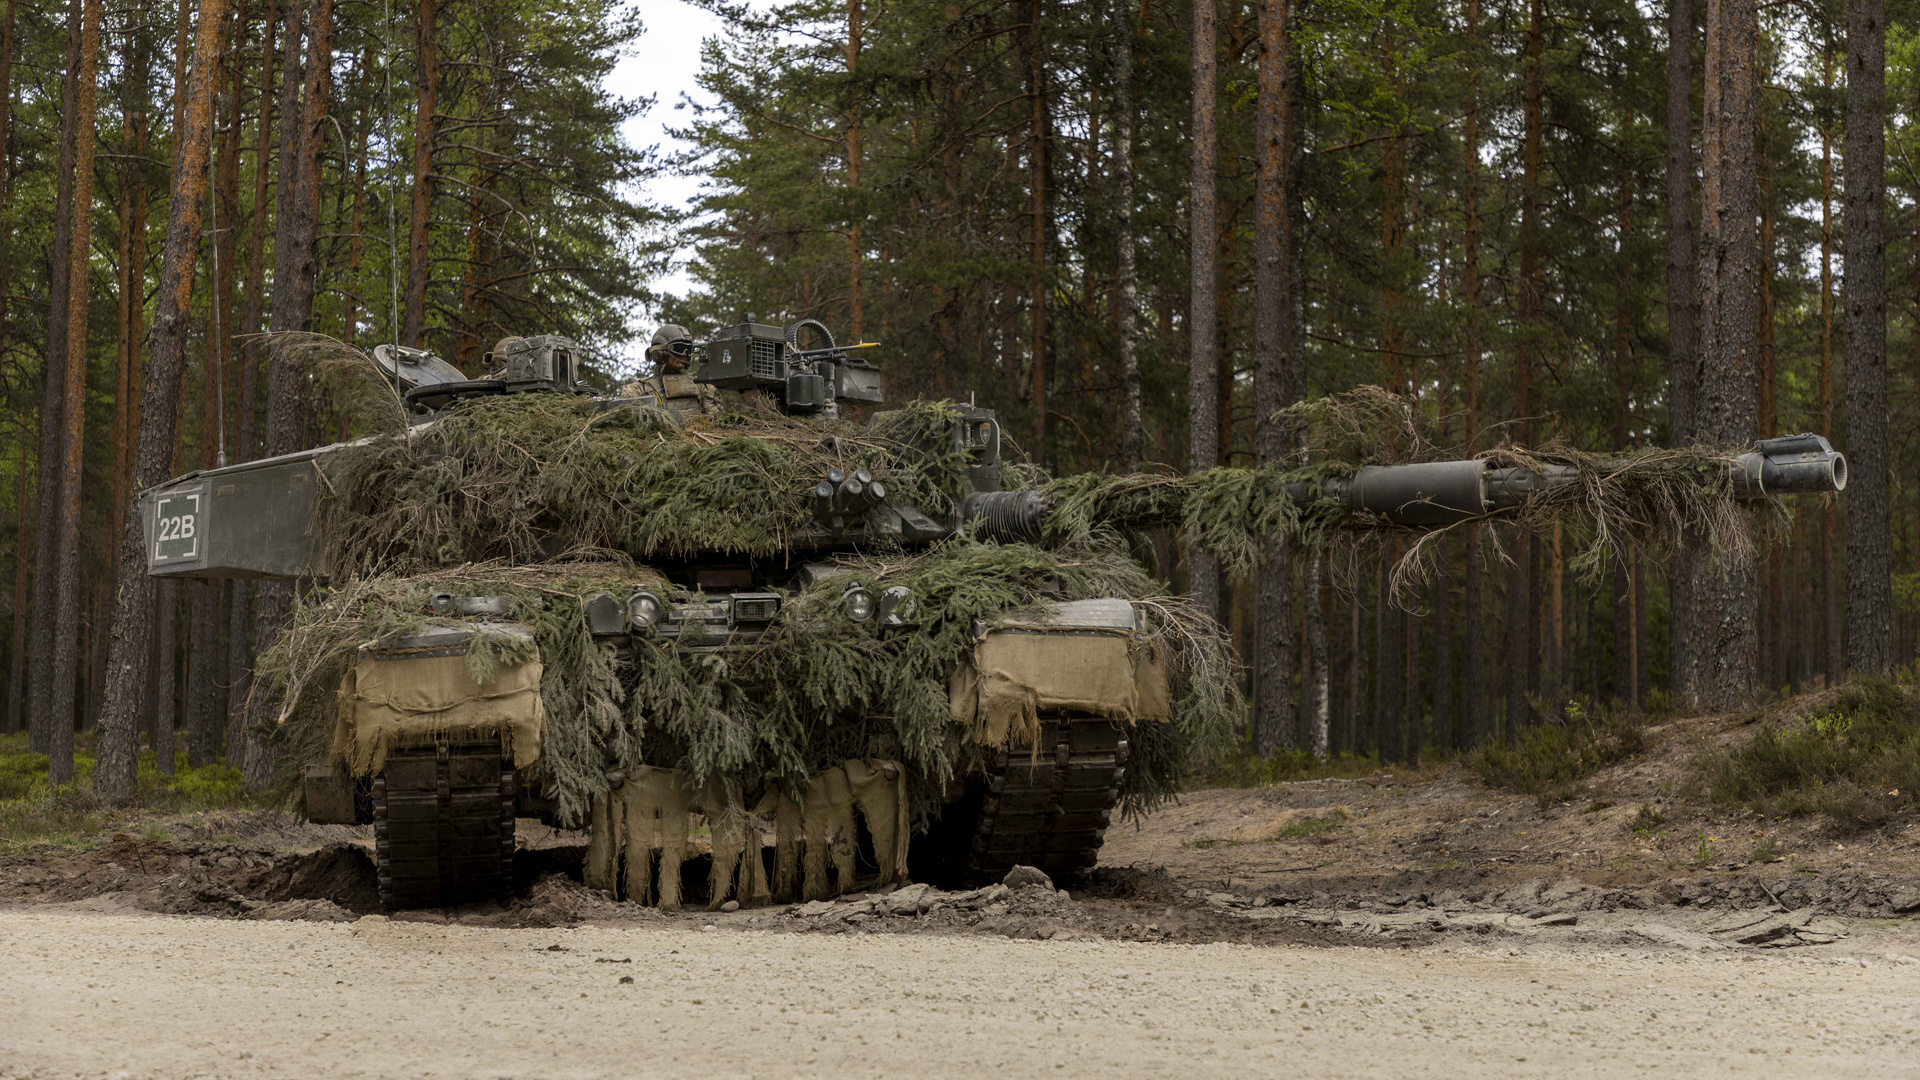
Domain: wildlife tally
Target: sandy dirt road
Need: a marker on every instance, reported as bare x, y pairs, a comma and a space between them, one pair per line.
106, 995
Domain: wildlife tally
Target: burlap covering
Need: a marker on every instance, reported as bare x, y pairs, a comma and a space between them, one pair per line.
640, 836
1015, 675
409, 700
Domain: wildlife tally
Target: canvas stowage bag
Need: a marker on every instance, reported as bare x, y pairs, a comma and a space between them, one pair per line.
1016, 675
408, 700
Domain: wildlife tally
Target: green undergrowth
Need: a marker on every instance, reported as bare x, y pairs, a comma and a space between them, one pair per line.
1550, 760
817, 689
1856, 760
34, 811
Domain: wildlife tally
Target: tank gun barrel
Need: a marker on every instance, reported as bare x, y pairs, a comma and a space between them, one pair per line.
1443, 492
1436, 493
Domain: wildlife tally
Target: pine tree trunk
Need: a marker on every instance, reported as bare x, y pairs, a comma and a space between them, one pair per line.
130, 649
1474, 699
1319, 689
52, 414
1445, 732
1772, 631
1682, 371
856, 293
1832, 655
165, 657
68, 597
1869, 632
22, 577
427, 54
1718, 625
1275, 375
294, 269
1037, 229
1203, 388
1132, 433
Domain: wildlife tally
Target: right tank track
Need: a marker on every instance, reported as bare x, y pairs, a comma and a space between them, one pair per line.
443, 825
1049, 805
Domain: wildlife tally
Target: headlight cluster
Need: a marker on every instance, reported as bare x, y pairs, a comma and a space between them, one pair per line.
895, 607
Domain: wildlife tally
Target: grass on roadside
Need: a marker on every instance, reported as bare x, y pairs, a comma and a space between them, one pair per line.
1306, 827
34, 811
1550, 761
1857, 762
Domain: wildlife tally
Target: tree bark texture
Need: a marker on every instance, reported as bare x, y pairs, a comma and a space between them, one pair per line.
427, 54
130, 649
296, 214
1132, 435
1682, 372
1718, 626
1869, 640
1276, 373
1203, 387
69, 599
46, 568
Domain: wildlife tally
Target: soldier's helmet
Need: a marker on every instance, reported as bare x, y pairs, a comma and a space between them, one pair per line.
672, 347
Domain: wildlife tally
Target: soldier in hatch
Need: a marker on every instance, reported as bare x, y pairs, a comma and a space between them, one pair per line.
670, 353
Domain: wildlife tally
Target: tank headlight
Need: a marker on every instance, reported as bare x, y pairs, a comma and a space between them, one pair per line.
605, 616
859, 603
898, 606
644, 609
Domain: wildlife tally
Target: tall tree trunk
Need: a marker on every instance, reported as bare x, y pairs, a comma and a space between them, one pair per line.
1772, 629
1319, 702
22, 579
1682, 373
294, 270
131, 649
66, 627
427, 54
1719, 623
1445, 732
1037, 230
1524, 618
856, 293
1474, 699
17, 645
1132, 434
206, 658
1624, 291
1833, 656
1869, 544
1203, 387
53, 379
1275, 377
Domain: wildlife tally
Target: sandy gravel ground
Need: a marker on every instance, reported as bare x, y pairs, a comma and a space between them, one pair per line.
106, 995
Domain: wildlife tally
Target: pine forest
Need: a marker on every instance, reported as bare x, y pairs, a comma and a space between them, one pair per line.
1139, 229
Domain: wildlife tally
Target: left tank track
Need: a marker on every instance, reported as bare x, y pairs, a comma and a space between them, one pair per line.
443, 825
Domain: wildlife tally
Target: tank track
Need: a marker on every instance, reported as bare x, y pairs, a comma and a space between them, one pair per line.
443, 825
1050, 810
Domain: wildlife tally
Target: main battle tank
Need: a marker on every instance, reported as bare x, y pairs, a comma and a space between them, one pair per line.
759, 651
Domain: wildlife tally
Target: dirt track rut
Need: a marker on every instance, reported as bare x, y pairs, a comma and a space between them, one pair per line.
144, 996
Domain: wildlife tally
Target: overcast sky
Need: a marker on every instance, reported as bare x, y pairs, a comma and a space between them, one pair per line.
663, 68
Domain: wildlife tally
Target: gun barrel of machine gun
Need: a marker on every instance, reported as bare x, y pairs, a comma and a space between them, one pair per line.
1435, 493
831, 350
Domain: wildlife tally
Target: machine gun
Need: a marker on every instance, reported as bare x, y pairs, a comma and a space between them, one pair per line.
808, 382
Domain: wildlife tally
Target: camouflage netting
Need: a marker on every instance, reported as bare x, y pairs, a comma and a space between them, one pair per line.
549, 499
1640, 497
817, 690
523, 478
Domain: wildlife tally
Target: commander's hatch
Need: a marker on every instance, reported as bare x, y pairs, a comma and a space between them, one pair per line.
411, 369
